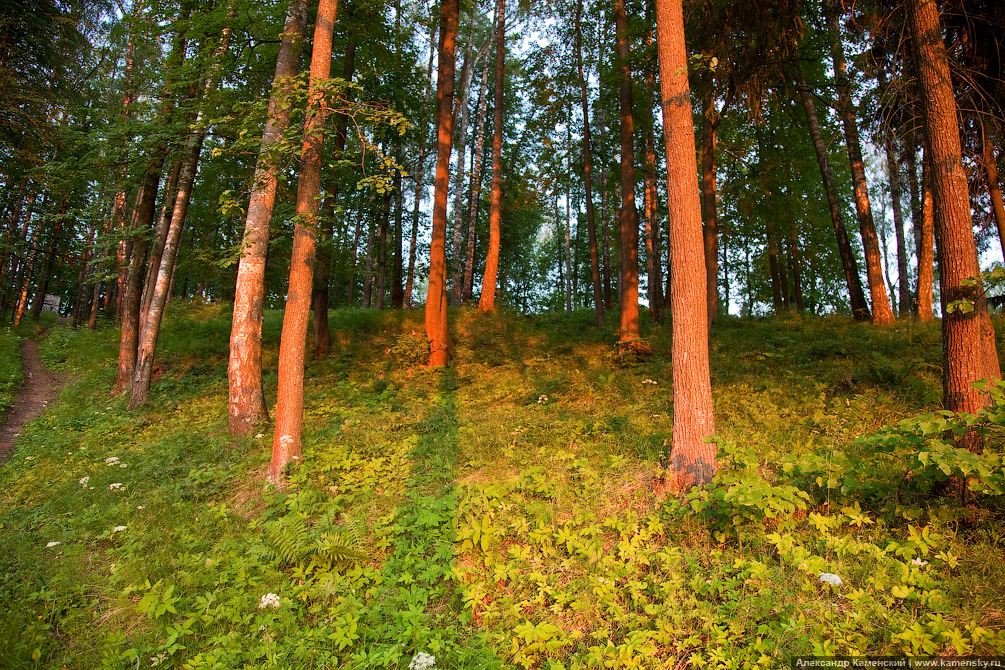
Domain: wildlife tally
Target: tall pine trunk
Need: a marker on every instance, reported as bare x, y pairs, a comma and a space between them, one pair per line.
476, 180
994, 186
966, 353
286, 443
629, 217
246, 407
691, 456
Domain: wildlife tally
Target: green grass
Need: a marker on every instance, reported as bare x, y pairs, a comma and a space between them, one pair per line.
500, 514
10, 368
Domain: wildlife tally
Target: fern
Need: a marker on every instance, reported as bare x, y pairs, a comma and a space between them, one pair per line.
321, 547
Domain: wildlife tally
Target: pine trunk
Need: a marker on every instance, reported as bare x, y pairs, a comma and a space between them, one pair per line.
591, 226
994, 186
691, 457
629, 218
710, 228
881, 313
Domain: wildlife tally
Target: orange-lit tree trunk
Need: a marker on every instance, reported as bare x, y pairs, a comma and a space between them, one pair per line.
893, 174
923, 223
286, 445
591, 226
859, 307
963, 362
882, 314
476, 180
651, 207
247, 406
487, 302
437, 325
691, 457
629, 217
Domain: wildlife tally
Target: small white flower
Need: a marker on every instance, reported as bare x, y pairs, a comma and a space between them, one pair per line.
108, 408
422, 661
259, 436
918, 562
118, 529
139, 506
269, 600
112, 460
541, 400
158, 659
123, 465
83, 481
28, 458
117, 486
649, 381
830, 578
52, 544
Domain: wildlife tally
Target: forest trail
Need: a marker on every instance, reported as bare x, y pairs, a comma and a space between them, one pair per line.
40, 386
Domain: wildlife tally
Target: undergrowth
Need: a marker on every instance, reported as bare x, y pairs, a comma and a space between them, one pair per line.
506, 512
10, 368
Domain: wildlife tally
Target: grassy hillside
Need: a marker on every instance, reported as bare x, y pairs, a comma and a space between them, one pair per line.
505, 512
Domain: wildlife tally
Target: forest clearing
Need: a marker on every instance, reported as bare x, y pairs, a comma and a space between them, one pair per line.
455, 334
504, 512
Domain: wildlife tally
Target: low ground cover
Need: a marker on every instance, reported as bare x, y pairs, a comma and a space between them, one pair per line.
506, 512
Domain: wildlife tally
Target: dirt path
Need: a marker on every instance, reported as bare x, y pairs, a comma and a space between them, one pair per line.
40, 386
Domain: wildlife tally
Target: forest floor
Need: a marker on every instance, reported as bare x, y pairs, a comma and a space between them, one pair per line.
39, 387
503, 512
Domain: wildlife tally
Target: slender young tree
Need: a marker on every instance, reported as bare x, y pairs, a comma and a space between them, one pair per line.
247, 406
691, 456
965, 354
488, 297
591, 226
994, 186
711, 226
286, 445
859, 306
476, 178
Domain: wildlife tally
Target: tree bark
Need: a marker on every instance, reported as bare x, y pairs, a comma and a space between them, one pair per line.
488, 296
859, 307
629, 218
143, 216
963, 363
591, 226
246, 407
286, 443
691, 457
881, 313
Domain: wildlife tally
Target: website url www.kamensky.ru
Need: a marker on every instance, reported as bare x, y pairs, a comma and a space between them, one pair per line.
893, 662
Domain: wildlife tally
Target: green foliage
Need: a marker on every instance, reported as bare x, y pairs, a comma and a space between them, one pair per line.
10, 368
451, 513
